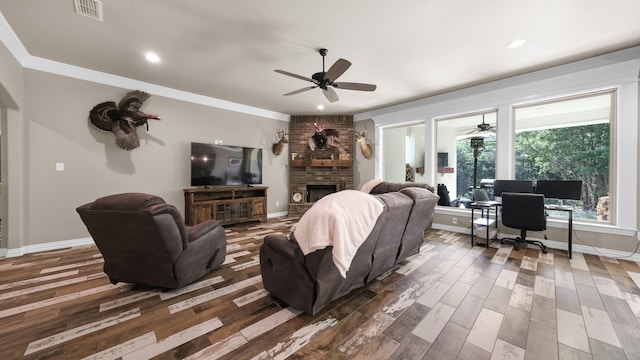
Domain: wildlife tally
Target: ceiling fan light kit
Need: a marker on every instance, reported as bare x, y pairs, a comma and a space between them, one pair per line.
326, 80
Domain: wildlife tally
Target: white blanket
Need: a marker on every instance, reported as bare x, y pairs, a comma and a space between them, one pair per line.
343, 220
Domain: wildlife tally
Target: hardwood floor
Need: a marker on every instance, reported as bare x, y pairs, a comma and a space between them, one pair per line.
451, 301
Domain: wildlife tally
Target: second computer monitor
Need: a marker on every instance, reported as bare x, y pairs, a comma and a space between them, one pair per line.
560, 189
517, 186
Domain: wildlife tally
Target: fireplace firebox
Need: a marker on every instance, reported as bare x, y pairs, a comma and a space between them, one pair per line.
316, 192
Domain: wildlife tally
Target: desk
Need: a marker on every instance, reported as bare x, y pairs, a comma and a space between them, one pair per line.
484, 222
570, 226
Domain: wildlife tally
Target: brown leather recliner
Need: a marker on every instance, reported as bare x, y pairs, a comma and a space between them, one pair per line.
144, 241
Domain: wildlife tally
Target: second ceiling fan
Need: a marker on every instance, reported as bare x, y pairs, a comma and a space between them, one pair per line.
326, 80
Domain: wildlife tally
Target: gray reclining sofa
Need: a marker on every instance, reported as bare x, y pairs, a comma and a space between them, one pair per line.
310, 283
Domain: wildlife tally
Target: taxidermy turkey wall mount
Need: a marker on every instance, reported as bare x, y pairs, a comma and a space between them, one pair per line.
326, 80
123, 119
322, 138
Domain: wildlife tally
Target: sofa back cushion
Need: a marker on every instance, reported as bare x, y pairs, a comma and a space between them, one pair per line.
342, 220
386, 187
420, 219
398, 207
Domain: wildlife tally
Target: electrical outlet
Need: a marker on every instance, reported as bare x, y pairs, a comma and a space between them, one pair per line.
454, 220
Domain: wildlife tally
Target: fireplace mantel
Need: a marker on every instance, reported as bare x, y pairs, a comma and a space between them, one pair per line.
321, 163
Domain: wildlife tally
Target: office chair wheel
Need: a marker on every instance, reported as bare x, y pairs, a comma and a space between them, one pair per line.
544, 249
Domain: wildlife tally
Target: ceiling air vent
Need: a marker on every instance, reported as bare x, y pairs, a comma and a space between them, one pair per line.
90, 8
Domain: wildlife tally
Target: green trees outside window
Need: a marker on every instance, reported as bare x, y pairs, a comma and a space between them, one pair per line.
569, 139
464, 165
572, 153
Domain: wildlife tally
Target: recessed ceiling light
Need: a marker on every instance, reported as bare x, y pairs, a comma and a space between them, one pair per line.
517, 44
320, 107
152, 57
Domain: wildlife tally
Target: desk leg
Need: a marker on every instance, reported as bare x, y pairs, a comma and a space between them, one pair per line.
472, 211
570, 233
486, 244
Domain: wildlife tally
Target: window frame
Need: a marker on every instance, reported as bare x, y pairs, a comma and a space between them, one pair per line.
460, 116
613, 158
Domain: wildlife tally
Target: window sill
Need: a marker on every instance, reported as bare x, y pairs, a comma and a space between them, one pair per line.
552, 222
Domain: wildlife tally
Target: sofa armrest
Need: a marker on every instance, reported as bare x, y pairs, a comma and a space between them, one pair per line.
284, 246
206, 251
196, 231
284, 274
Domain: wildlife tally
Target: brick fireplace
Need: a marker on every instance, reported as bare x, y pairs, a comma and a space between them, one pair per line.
314, 174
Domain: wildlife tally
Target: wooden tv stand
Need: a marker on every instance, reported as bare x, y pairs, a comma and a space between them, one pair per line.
226, 204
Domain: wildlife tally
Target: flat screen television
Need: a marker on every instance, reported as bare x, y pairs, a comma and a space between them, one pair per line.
225, 165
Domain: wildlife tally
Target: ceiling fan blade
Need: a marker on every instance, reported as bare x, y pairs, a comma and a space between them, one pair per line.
355, 86
337, 69
300, 90
294, 75
479, 132
330, 94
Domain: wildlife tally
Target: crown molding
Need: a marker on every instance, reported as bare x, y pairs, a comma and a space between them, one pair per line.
9, 38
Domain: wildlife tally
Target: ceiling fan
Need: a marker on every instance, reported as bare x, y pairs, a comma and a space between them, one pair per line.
326, 80
483, 129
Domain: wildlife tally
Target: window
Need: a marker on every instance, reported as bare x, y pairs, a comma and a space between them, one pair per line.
403, 155
469, 143
569, 139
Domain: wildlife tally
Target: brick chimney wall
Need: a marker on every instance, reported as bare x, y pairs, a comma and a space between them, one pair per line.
332, 166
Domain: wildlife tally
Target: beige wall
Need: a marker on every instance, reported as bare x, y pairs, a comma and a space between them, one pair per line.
12, 128
57, 131
364, 169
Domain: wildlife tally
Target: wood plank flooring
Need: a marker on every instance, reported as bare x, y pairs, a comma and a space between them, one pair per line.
451, 301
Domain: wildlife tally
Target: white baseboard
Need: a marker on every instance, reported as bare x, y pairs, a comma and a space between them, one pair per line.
458, 229
277, 214
585, 249
55, 245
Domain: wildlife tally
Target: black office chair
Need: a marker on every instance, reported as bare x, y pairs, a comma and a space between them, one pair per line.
525, 212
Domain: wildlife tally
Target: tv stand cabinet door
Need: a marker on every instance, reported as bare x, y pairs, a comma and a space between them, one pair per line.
258, 211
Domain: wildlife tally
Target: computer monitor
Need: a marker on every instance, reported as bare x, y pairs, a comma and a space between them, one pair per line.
517, 186
480, 195
560, 189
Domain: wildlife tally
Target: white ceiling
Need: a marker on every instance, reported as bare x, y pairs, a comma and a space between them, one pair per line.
410, 49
